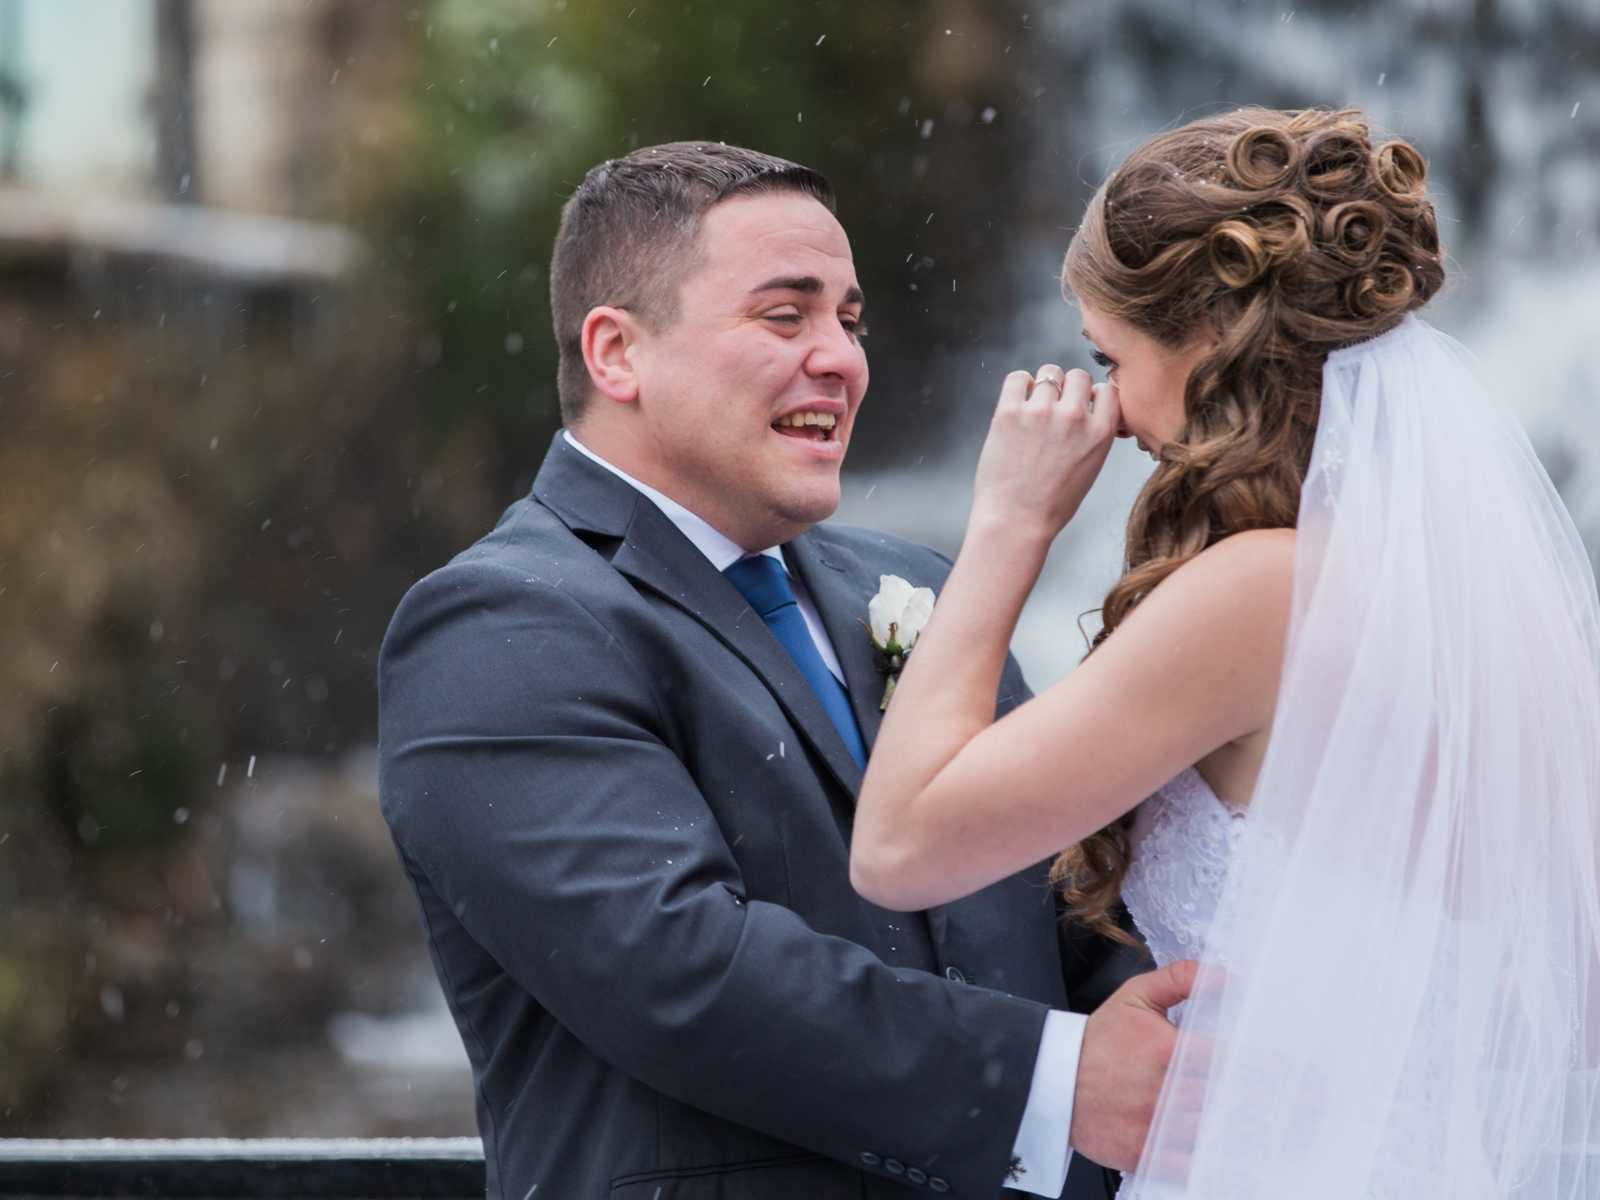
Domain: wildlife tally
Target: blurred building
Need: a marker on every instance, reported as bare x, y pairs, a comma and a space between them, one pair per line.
178, 944
198, 100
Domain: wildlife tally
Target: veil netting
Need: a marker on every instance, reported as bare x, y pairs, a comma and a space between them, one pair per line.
1400, 994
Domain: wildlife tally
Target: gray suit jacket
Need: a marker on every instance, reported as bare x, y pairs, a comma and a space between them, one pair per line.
627, 821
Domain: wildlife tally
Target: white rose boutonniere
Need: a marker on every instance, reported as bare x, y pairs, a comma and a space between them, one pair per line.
895, 619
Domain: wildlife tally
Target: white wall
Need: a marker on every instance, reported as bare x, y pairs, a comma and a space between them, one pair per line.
88, 66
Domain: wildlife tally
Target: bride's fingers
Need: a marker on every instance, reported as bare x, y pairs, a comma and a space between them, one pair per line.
1014, 391
1046, 445
1105, 409
1047, 383
1075, 392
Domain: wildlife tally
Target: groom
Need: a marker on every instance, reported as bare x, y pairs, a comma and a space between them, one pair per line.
620, 742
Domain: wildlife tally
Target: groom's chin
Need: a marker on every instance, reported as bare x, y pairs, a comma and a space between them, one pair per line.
814, 505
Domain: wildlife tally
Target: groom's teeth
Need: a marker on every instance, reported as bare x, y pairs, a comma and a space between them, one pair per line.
800, 420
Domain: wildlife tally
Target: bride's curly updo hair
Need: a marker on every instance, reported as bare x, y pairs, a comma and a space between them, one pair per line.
1286, 235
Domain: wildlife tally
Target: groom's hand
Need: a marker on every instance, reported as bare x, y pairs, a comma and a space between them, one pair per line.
1127, 1045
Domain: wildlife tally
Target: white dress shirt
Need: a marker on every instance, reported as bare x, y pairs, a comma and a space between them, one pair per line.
1040, 1148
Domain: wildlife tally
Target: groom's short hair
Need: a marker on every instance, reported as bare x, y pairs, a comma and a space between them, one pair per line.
627, 237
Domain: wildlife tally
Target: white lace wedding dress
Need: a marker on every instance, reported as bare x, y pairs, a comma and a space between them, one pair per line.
1181, 841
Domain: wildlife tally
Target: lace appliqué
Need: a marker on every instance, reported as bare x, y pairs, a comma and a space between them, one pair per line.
1332, 475
1182, 839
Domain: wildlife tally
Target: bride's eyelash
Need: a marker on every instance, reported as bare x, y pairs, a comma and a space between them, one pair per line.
1100, 360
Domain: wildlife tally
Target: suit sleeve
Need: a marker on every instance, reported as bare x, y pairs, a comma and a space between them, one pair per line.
525, 772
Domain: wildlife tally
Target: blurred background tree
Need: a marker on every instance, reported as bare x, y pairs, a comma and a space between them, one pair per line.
274, 343
900, 100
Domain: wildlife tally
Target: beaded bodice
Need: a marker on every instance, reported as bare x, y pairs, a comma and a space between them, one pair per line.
1181, 841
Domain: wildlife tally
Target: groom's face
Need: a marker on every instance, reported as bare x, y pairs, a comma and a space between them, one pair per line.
749, 397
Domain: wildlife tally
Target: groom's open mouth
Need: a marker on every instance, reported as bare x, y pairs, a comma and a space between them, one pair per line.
809, 426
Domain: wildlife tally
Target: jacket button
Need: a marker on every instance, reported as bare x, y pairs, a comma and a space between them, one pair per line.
868, 1158
894, 1166
915, 1176
936, 1184
955, 975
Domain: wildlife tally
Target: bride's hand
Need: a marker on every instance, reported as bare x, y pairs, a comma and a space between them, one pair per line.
1048, 440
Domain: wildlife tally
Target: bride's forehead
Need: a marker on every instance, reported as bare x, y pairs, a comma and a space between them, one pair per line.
1103, 327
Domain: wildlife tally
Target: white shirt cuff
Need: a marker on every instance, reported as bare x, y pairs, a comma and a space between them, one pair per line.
1041, 1153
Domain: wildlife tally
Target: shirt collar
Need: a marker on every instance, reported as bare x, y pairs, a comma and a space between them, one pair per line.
718, 547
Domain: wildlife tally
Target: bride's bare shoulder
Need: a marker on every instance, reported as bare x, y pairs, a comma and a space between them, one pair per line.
1243, 582
1264, 551
1251, 558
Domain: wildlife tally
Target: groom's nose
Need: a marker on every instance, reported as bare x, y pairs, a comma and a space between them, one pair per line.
835, 352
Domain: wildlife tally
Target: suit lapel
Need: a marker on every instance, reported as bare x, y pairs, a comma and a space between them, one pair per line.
654, 554
650, 550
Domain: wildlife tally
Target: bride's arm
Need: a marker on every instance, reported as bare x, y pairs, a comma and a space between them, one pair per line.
953, 801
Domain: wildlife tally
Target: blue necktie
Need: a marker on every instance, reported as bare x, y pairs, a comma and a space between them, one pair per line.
762, 581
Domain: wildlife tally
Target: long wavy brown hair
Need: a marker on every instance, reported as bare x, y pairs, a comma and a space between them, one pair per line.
1286, 235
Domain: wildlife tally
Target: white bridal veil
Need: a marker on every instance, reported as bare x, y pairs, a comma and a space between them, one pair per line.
1400, 996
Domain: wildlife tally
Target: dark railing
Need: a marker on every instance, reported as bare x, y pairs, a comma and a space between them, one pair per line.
229, 1169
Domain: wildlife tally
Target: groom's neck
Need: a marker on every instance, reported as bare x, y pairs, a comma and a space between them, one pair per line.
624, 456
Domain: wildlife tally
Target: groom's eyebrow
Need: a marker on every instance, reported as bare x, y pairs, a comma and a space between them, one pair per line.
809, 285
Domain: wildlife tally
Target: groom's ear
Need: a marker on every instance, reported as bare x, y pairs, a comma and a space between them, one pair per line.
610, 340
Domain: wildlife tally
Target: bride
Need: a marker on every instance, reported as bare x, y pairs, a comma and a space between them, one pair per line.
1339, 737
